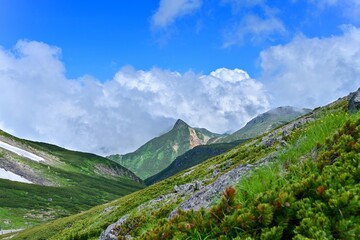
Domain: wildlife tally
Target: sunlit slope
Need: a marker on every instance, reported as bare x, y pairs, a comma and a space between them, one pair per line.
52, 182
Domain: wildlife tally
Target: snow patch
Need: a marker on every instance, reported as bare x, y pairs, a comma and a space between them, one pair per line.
21, 152
12, 176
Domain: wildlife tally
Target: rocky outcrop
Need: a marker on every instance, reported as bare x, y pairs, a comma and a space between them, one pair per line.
354, 102
281, 133
110, 232
181, 191
8, 163
119, 171
204, 197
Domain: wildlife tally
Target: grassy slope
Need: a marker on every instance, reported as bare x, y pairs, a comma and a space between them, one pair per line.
79, 186
158, 153
191, 158
89, 224
257, 126
312, 192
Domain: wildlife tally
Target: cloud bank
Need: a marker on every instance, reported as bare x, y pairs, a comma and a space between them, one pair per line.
313, 71
39, 102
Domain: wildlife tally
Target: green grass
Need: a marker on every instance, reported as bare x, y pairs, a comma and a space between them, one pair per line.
300, 145
84, 193
78, 185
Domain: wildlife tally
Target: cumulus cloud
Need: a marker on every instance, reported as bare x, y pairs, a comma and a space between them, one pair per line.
313, 71
170, 10
37, 101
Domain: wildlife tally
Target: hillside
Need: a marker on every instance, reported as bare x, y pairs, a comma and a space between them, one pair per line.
298, 181
41, 182
160, 152
263, 123
191, 158
215, 146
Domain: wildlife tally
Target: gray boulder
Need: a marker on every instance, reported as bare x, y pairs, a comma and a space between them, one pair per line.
354, 102
205, 196
111, 233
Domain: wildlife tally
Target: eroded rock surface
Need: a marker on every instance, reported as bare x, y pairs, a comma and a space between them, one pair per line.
205, 196
110, 232
354, 102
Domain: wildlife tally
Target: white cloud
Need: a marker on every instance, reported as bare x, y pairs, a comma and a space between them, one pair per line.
313, 71
255, 29
238, 4
350, 9
37, 101
253, 25
170, 10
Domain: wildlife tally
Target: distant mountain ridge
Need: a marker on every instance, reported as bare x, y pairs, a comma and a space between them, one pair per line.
159, 152
263, 123
191, 158
154, 160
216, 146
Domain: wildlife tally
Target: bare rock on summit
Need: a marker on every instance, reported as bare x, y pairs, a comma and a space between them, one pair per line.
354, 102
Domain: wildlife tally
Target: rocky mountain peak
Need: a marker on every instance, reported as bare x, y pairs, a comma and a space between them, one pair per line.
180, 124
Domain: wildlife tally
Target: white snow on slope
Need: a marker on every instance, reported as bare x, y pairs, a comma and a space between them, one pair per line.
12, 176
21, 152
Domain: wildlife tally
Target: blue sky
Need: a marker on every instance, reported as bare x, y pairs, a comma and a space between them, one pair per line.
98, 38
106, 76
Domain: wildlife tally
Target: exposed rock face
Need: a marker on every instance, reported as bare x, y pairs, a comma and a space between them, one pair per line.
354, 102
103, 169
110, 232
25, 171
185, 189
206, 195
279, 134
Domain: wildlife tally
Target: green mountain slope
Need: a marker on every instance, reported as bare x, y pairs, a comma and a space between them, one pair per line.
191, 158
63, 182
257, 126
306, 188
263, 123
160, 152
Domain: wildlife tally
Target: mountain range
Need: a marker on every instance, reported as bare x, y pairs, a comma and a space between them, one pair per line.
263, 123
191, 154
158, 153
